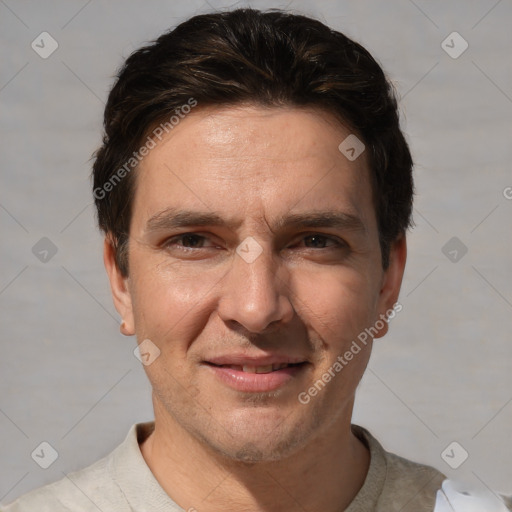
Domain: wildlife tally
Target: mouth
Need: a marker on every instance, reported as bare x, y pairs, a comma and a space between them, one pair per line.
253, 378
249, 368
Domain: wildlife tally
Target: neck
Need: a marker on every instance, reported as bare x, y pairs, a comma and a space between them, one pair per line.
324, 475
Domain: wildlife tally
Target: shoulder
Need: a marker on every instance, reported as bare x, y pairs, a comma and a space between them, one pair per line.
395, 483
90, 489
76, 491
410, 486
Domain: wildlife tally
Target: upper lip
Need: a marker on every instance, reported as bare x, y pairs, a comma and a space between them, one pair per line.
244, 360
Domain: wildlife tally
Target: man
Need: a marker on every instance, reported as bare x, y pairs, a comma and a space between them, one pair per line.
254, 189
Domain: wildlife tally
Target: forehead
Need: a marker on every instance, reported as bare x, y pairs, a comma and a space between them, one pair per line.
282, 134
251, 160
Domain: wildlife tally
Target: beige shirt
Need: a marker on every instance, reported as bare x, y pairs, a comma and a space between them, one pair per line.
123, 482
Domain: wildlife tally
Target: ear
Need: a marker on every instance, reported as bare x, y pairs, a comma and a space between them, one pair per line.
391, 283
119, 288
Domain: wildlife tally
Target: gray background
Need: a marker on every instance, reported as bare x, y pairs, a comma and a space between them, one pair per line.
442, 374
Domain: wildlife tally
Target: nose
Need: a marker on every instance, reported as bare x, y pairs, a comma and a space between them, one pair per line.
254, 296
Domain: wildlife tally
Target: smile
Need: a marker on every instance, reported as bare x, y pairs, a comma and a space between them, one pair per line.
257, 379
257, 369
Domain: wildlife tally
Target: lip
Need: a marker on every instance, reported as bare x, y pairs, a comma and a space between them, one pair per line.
244, 360
256, 382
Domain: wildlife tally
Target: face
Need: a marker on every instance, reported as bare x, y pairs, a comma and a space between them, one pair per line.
254, 264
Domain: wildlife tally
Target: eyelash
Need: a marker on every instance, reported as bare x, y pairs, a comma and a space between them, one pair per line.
339, 244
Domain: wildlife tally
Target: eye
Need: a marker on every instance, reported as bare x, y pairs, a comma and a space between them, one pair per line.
188, 241
318, 241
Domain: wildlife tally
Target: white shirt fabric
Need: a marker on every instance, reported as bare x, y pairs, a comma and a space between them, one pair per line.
123, 482
457, 496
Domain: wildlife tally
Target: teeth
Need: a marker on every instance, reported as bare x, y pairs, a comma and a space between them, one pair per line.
257, 369
263, 369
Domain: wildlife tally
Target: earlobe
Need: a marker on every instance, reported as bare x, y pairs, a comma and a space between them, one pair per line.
392, 282
119, 287
125, 329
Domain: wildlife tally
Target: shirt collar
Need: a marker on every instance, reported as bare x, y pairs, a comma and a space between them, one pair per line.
133, 476
144, 494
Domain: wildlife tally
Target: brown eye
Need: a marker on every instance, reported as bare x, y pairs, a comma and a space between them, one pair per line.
320, 242
192, 240
187, 241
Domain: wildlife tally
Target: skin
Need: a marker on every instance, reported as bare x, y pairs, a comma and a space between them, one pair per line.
215, 448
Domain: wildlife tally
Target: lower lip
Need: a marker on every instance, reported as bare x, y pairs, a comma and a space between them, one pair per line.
256, 382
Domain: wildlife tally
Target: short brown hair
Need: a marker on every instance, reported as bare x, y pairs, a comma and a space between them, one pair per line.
269, 58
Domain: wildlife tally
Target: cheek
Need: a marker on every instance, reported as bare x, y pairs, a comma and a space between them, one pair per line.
338, 305
172, 302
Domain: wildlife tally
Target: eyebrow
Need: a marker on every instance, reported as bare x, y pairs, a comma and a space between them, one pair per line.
172, 218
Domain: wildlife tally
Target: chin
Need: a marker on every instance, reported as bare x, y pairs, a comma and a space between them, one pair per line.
258, 442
